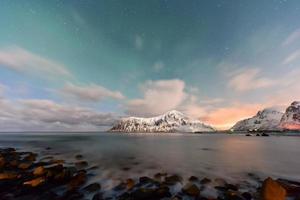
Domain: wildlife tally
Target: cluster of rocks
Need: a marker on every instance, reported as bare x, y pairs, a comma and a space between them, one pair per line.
164, 186
23, 176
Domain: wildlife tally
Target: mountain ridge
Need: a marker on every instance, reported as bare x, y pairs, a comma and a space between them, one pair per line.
172, 121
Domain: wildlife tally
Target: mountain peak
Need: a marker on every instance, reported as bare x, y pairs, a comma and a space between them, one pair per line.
266, 119
291, 118
171, 121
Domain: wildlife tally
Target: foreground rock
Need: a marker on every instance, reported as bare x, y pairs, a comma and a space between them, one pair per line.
23, 177
272, 190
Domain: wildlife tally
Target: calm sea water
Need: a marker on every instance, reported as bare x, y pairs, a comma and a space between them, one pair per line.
120, 156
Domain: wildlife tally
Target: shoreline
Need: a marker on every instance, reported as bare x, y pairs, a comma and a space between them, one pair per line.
26, 175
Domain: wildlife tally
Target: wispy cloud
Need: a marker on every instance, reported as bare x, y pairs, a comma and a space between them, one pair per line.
22, 60
292, 38
292, 57
92, 92
249, 79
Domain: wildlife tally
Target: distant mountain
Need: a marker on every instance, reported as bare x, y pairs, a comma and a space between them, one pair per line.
265, 120
172, 121
291, 118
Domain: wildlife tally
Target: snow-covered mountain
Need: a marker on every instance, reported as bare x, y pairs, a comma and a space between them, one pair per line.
265, 120
172, 121
291, 118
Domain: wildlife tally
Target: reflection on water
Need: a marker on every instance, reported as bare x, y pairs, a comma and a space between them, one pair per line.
213, 155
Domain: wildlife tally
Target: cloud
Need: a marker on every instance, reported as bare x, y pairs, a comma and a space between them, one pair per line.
158, 66
46, 115
292, 38
138, 42
24, 61
249, 79
91, 93
292, 57
158, 97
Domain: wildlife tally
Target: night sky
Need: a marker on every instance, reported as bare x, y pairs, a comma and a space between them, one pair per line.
79, 65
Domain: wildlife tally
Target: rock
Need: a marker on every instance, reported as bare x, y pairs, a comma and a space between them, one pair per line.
72, 195
205, 181
79, 156
172, 180
125, 168
8, 176
146, 180
272, 190
292, 187
97, 196
191, 190
143, 194
231, 187
81, 164
35, 182
120, 186
193, 179
163, 192
93, 187
25, 165
247, 196
78, 180
14, 163
2, 162
57, 161
220, 182
157, 176
39, 171
54, 170
129, 184
30, 157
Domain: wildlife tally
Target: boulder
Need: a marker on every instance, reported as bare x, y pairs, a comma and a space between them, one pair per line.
39, 171
92, 187
191, 190
272, 190
35, 182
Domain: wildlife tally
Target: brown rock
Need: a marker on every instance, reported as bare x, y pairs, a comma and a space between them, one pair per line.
193, 178
2, 162
129, 184
78, 180
39, 171
30, 157
272, 190
35, 182
8, 176
205, 181
25, 165
191, 190
172, 180
81, 164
